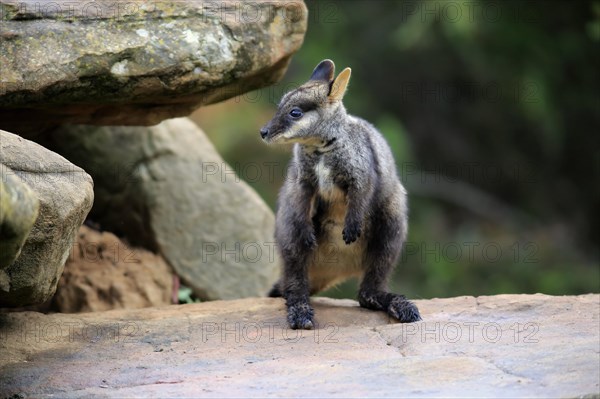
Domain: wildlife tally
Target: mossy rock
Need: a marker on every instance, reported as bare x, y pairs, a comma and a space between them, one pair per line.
19, 207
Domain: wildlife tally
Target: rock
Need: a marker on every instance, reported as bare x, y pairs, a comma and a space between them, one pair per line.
497, 346
165, 188
18, 211
137, 63
103, 273
65, 194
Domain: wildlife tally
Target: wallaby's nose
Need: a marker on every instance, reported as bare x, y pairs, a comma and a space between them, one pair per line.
263, 132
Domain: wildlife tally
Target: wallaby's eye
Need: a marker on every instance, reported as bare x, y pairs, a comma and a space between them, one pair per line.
296, 113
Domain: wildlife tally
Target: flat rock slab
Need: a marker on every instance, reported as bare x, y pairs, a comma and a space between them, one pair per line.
496, 346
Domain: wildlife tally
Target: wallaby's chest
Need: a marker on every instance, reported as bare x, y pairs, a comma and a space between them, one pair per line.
329, 193
334, 260
327, 187
324, 176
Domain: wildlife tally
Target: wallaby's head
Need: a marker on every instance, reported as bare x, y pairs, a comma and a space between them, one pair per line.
305, 114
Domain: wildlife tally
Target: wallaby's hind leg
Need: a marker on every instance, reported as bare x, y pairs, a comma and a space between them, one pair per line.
383, 251
294, 284
296, 292
300, 313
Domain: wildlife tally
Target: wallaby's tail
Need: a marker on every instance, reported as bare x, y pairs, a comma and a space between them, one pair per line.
275, 291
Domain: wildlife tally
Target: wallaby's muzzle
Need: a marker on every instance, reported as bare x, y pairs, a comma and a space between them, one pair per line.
264, 132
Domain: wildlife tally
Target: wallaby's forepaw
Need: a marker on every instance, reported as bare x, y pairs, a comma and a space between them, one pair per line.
300, 316
351, 232
403, 310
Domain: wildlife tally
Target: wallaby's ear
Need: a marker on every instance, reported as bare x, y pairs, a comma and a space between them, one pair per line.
324, 71
339, 85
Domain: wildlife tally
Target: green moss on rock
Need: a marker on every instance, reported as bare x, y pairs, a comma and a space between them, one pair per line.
18, 211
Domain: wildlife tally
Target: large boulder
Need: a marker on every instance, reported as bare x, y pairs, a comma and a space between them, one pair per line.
104, 273
65, 194
166, 188
137, 62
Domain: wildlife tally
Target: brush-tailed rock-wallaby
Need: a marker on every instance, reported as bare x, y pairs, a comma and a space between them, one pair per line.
342, 211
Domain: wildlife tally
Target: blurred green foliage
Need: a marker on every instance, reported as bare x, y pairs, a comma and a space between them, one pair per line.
492, 112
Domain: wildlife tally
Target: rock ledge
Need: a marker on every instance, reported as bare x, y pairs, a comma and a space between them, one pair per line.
496, 346
137, 62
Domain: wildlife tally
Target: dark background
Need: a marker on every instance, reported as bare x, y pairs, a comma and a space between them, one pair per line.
492, 111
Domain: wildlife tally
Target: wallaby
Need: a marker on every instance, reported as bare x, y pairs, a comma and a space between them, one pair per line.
342, 211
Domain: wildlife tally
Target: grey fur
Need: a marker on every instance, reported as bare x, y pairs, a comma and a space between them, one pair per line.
342, 211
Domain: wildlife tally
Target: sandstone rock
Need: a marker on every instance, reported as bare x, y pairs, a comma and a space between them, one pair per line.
166, 188
103, 273
18, 211
65, 194
498, 346
137, 62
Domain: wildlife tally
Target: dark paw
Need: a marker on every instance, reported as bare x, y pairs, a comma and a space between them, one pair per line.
300, 316
351, 232
308, 239
403, 310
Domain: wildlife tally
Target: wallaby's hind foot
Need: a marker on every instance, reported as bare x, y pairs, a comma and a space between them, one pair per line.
404, 310
395, 305
300, 316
